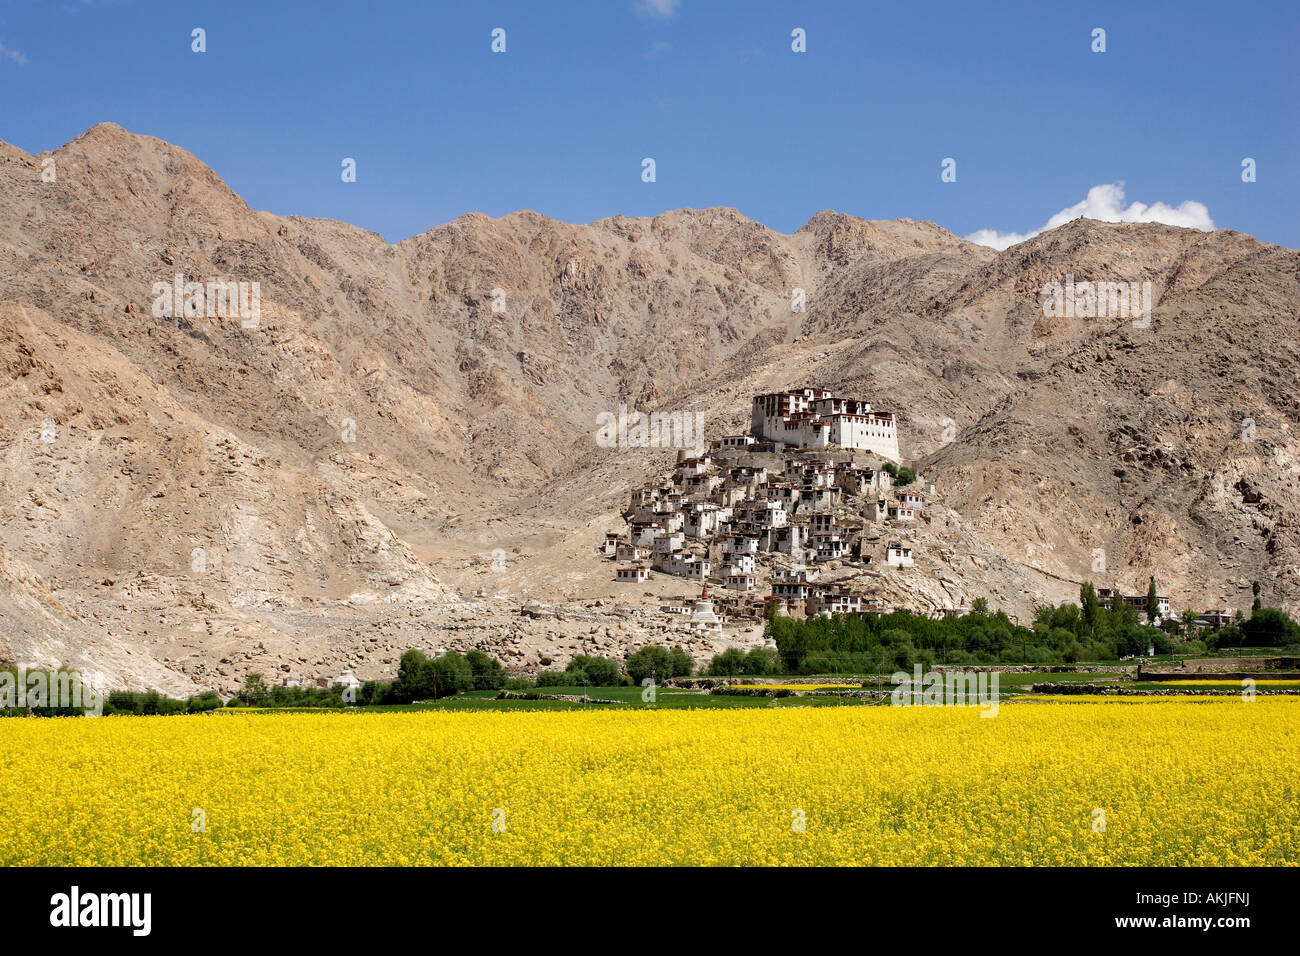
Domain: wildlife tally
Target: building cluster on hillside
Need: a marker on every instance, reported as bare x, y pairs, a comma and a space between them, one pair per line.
1136, 601
806, 484
1215, 618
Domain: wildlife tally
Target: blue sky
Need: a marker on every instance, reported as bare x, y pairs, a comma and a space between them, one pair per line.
439, 125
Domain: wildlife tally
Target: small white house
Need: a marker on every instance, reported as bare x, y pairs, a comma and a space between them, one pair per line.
668, 543
634, 574
689, 566
738, 441
743, 563
631, 552
837, 601
828, 546
739, 580
898, 556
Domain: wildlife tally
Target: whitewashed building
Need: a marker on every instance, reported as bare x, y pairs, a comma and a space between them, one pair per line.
898, 556
812, 418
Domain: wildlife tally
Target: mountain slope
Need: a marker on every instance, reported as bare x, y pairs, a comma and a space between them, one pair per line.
411, 424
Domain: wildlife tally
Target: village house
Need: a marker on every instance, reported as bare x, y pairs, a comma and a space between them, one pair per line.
818, 499
731, 497
693, 467
898, 556
689, 566
738, 544
737, 441
960, 611
821, 522
645, 532
828, 547
780, 607
675, 606
702, 485
791, 540
901, 512
861, 482
744, 563
1215, 619
611, 544
668, 543
673, 523
794, 586
704, 519
1136, 601
633, 574
643, 498
741, 580
835, 600
784, 494
910, 499
631, 552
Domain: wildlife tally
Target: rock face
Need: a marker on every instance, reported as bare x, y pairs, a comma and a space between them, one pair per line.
184, 499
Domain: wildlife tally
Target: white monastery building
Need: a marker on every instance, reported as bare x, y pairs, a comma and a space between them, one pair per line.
812, 418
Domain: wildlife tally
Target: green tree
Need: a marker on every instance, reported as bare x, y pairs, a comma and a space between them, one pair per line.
729, 663
1090, 605
449, 674
552, 677
1152, 601
650, 661
600, 671
1269, 627
488, 672
413, 678
681, 662
1257, 603
761, 662
254, 693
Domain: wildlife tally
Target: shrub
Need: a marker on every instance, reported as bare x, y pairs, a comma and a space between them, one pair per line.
600, 671
761, 661
1269, 627
207, 700
555, 678
729, 663
683, 665
488, 672
651, 661
450, 674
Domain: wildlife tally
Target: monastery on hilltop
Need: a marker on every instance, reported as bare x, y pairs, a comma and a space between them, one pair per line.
812, 418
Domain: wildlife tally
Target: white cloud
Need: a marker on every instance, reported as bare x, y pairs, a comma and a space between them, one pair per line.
659, 9
1106, 204
14, 55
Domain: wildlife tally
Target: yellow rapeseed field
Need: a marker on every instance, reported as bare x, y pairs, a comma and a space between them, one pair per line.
1167, 782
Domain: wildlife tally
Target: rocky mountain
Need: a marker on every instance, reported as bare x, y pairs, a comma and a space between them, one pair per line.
401, 449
